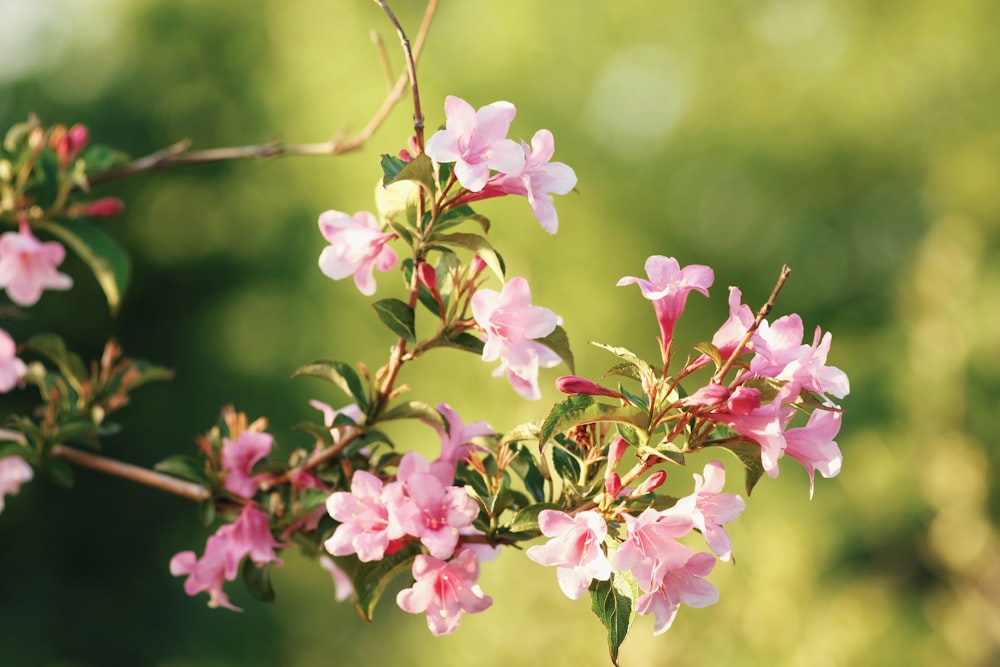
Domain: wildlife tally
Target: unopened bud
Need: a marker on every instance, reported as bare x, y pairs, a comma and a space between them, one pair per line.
744, 400
427, 277
106, 207
573, 384
616, 450
476, 266
652, 482
72, 143
612, 485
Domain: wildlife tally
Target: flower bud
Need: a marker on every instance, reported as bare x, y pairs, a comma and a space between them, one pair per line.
71, 143
710, 394
652, 482
612, 485
744, 401
427, 277
476, 266
572, 384
616, 450
106, 207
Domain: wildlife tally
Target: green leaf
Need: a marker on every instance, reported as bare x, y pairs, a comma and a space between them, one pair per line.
391, 166
318, 431
257, 579
643, 370
626, 369
749, 455
75, 430
53, 347
521, 432
613, 603
475, 243
710, 351
399, 317
100, 158
206, 512
525, 467
465, 341
109, 263
58, 471
415, 410
419, 170
567, 466
527, 519
586, 409
183, 466
768, 387
558, 342
340, 374
458, 215
371, 578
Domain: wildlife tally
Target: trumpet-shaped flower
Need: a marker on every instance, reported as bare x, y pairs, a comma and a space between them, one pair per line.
680, 581
455, 441
364, 519
12, 368
239, 458
710, 509
575, 549
668, 287
813, 446
782, 355
510, 324
652, 538
357, 247
476, 141
444, 590
28, 266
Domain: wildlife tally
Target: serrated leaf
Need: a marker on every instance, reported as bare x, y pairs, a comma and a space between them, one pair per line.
642, 368
522, 432
671, 454
371, 578
625, 369
527, 519
475, 243
183, 466
613, 602
749, 455
106, 259
415, 410
257, 579
391, 166
558, 342
585, 409
340, 374
399, 317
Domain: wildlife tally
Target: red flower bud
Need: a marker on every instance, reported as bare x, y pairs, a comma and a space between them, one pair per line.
572, 384
104, 208
72, 143
653, 481
616, 450
612, 484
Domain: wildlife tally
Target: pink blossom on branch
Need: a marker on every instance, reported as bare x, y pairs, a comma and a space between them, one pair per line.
652, 538
510, 326
476, 141
455, 441
12, 368
357, 247
365, 527
574, 548
813, 445
444, 590
239, 458
28, 266
681, 580
710, 509
782, 355
14, 471
668, 287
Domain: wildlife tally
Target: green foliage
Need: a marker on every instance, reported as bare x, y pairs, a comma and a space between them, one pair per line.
341, 375
613, 602
399, 317
370, 579
106, 259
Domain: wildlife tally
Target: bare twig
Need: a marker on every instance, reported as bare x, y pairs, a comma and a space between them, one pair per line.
178, 154
411, 70
131, 472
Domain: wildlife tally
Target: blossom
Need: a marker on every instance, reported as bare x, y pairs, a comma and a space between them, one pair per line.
510, 324
455, 441
357, 246
575, 549
342, 586
681, 581
668, 288
766, 426
538, 179
813, 446
732, 331
12, 368
652, 537
251, 535
710, 509
443, 590
364, 528
14, 471
239, 458
476, 141
781, 355
28, 266
427, 507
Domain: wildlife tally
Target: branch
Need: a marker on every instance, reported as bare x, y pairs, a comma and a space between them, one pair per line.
178, 154
133, 473
411, 71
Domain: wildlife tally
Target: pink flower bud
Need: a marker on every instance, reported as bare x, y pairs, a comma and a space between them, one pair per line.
612, 484
427, 277
744, 401
72, 143
652, 482
710, 394
404, 155
476, 266
572, 384
106, 207
616, 450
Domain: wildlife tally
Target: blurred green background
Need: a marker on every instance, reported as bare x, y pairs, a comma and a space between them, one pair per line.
856, 141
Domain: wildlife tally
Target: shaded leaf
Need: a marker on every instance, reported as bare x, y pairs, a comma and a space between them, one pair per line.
257, 579
749, 455
183, 466
415, 410
586, 409
643, 369
458, 215
477, 244
521, 432
58, 471
391, 166
419, 170
399, 317
567, 466
318, 431
53, 347
371, 578
340, 374
106, 259
527, 519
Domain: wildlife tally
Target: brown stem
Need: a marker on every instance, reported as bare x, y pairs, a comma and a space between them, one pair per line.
178, 154
761, 314
131, 472
411, 71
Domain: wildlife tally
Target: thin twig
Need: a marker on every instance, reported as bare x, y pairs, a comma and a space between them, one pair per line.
131, 472
411, 70
178, 154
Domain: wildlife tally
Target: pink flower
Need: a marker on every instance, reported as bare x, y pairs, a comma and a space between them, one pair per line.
343, 588
250, 535
106, 207
455, 441
575, 549
14, 471
710, 509
510, 324
741, 318
813, 445
538, 179
766, 426
12, 369
782, 356
428, 508
681, 580
71, 143
357, 246
572, 384
364, 519
239, 458
28, 266
443, 590
668, 288
651, 539
476, 141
